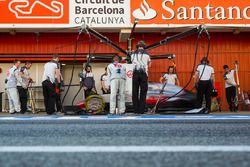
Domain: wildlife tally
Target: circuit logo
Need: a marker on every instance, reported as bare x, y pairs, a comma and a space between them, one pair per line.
34, 12
23, 9
145, 12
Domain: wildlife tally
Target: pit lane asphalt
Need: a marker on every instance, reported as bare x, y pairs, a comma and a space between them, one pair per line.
153, 132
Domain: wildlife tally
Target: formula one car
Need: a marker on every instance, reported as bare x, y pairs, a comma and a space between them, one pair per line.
184, 102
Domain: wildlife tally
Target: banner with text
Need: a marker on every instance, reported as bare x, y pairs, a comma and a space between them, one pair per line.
122, 13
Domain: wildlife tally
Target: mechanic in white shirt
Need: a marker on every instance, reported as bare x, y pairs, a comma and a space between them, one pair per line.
170, 77
51, 76
117, 76
12, 79
204, 81
105, 83
141, 61
230, 86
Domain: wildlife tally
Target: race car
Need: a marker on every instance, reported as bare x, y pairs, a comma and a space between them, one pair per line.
169, 101
184, 102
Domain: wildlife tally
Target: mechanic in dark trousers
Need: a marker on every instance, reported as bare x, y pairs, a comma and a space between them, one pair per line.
50, 75
230, 86
204, 81
87, 81
23, 92
141, 61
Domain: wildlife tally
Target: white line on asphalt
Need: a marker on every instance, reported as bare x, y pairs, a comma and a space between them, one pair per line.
121, 149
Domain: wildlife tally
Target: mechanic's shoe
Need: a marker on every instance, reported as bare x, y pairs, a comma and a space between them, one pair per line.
24, 112
129, 114
141, 112
136, 112
121, 113
149, 113
59, 113
206, 111
12, 112
50, 113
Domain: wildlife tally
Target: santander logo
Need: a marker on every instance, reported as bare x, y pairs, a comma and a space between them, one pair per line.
144, 12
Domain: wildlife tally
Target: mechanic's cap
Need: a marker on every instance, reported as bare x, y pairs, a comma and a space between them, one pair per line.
141, 44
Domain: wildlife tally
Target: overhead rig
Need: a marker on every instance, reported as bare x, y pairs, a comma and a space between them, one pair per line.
104, 39
199, 29
181, 35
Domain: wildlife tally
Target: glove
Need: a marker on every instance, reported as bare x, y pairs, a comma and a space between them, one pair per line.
31, 80
57, 90
93, 90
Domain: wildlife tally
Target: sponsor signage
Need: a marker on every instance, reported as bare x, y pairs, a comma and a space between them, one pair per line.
129, 73
34, 12
121, 13
165, 12
101, 13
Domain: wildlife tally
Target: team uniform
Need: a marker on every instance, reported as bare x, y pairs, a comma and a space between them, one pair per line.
105, 80
117, 76
205, 85
230, 89
171, 78
140, 60
88, 82
12, 79
23, 92
49, 86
